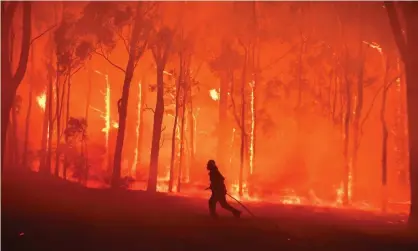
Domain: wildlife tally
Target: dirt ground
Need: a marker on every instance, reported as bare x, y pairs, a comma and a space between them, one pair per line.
49, 214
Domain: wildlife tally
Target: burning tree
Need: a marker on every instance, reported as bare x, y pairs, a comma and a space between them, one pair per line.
12, 79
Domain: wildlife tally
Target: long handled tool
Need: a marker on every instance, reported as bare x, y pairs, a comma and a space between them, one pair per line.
239, 202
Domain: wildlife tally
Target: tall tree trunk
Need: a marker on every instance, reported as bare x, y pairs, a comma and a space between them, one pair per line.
58, 120
86, 150
144, 91
28, 114
67, 118
384, 156
156, 131
123, 102
50, 98
347, 116
357, 117
409, 54
160, 54
182, 131
243, 133
10, 81
175, 125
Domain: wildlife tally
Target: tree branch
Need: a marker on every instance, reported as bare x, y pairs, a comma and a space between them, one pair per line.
109, 61
43, 33
148, 108
120, 35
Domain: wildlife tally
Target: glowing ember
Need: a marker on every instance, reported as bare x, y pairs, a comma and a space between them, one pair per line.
214, 94
375, 46
41, 100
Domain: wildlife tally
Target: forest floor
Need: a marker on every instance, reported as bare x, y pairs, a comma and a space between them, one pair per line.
49, 214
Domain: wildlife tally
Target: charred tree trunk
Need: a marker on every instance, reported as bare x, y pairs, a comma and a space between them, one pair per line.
357, 117
160, 53
50, 98
385, 135
123, 102
409, 53
10, 81
182, 131
67, 118
28, 114
58, 120
174, 131
156, 132
347, 116
88, 101
243, 133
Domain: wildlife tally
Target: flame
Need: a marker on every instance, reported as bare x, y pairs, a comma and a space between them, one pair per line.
375, 46
138, 124
251, 147
214, 94
41, 100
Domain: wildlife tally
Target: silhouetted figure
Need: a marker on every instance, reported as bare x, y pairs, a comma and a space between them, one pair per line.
217, 185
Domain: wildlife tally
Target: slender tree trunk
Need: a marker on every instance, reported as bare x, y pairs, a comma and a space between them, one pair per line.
123, 102
67, 118
357, 117
243, 133
88, 101
50, 95
156, 132
58, 120
385, 135
347, 116
174, 131
183, 116
28, 114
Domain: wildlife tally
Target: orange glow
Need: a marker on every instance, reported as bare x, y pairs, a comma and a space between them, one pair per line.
294, 116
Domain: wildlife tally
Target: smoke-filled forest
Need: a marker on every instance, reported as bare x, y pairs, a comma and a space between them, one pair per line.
299, 103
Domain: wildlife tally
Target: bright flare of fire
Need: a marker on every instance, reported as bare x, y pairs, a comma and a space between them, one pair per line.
41, 100
251, 148
214, 94
138, 124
